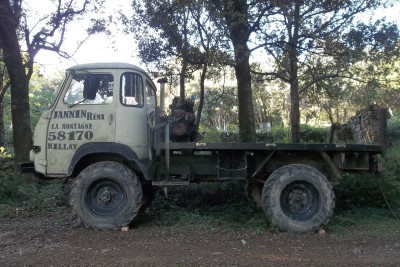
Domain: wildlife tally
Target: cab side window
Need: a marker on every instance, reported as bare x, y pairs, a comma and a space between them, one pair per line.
90, 89
150, 96
132, 89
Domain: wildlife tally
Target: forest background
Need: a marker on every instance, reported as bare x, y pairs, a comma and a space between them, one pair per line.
250, 65
277, 70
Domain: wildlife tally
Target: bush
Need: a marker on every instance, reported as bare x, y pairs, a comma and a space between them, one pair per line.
310, 134
44, 195
366, 190
9, 188
280, 134
37, 195
207, 134
393, 130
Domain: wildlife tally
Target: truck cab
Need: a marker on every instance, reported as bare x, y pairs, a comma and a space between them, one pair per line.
101, 110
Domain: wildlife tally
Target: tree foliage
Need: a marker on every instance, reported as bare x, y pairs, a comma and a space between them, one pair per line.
305, 40
200, 34
329, 62
47, 33
314, 48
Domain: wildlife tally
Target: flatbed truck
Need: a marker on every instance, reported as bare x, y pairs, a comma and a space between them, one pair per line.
106, 132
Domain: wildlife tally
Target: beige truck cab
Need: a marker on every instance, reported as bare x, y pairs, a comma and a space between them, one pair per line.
102, 109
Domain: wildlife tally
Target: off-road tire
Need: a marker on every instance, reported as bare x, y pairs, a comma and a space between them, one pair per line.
106, 195
298, 198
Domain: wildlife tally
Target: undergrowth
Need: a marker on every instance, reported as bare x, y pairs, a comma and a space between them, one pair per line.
17, 193
365, 221
217, 205
208, 206
225, 206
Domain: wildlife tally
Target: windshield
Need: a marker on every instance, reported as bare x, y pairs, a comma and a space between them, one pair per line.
90, 88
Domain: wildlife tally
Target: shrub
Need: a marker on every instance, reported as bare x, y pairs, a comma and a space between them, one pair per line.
44, 195
310, 134
31, 195
366, 190
9, 188
265, 137
280, 134
393, 130
207, 134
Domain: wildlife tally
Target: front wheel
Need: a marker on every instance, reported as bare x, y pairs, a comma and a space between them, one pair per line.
298, 198
106, 195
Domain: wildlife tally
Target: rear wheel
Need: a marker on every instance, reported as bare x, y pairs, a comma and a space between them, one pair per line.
298, 198
106, 195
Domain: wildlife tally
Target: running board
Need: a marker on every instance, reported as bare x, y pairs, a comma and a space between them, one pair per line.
170, 183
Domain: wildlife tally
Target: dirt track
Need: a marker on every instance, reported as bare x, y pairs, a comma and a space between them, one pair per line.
53, 240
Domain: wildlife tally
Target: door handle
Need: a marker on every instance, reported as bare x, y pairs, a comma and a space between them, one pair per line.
110, 119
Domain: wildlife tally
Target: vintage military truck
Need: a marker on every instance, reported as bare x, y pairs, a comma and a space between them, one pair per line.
105, 132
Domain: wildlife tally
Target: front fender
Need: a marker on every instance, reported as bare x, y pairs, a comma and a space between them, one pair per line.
109, 148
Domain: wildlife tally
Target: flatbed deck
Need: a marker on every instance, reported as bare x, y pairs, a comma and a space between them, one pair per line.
272, 146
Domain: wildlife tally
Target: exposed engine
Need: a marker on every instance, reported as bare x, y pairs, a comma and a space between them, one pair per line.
182, 119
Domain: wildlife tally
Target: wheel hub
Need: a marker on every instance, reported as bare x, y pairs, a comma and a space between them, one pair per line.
300, 200
106, 196
297, 199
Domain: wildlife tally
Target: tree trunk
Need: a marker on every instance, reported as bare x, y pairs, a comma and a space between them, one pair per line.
236, 13
3, 89
20, 112
294, 111
247, 129
201, 101
2, 130
182, 77
294, 81
294, 97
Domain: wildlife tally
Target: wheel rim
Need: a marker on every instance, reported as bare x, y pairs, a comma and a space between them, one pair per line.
105, 197
300, 201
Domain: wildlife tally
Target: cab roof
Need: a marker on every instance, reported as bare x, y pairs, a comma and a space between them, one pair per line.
109, 65
106, 65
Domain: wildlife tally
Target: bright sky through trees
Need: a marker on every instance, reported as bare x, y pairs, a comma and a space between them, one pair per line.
118, 47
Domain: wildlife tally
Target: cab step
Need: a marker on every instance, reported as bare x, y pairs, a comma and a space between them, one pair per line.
170, 183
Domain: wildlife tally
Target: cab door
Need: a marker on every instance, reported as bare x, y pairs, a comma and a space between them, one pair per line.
133, 109
85, 113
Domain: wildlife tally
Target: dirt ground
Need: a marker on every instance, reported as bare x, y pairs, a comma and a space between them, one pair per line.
53, 239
